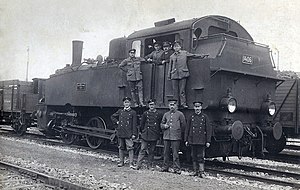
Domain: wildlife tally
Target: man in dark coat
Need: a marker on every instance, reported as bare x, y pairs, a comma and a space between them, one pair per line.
126, 131
150, 133
132, 67
173, 125
198, 134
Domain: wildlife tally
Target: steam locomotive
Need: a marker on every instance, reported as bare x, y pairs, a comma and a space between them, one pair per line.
236, 82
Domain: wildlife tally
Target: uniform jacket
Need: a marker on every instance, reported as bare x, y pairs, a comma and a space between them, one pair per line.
127, 123
176, 125
155, 56
178, 68
132, 67
150, 125
166, 55
198, 130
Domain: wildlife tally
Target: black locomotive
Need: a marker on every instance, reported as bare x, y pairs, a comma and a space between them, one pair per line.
236, 82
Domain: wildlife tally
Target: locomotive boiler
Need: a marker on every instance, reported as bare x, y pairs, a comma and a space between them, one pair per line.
236, 81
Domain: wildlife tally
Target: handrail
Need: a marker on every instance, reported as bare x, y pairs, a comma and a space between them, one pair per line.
233, 37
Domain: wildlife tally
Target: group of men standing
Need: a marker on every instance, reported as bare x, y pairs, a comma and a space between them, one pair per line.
177, 70
172, 125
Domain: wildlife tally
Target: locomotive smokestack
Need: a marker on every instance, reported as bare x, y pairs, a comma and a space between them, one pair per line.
77, 52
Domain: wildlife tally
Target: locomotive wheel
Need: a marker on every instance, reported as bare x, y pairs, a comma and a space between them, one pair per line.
68, 138
19, 127
95, 142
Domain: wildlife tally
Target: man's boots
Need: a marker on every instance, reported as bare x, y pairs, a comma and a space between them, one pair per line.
133, 95
195, 169
121, 156
141, 98
130, 152
201, 170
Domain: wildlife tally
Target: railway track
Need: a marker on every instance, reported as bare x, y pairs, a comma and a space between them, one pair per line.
292, 147
265, 175
213, 167
24, 177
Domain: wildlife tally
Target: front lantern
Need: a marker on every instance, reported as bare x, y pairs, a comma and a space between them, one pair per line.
229, 104
269, 107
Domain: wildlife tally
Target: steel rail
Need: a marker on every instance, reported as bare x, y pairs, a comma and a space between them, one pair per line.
254, 169
255, 178
55, 182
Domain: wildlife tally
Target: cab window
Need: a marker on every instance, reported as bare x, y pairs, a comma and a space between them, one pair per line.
137, 45
196, 36
149, 42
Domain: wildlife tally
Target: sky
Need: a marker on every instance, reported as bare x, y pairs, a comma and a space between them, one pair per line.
47, 28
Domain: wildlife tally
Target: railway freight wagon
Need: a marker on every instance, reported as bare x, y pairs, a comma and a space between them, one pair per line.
235, 80
18, 100
288, 101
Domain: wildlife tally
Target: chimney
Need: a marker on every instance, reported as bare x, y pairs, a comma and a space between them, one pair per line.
77, 52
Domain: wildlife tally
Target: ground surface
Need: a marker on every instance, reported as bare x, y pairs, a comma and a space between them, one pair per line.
100, 171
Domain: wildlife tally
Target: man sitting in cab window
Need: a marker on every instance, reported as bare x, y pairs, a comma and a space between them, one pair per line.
155, 55
132, 67
168, 51
179, 72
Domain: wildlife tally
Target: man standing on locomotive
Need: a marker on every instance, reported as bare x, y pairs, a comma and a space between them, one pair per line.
165, 57
179, 72
126, 119
198, 134
132, 67
155, 56
151, 132
173, 125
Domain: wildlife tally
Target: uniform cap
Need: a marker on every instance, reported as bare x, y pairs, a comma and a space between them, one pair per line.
151, 101
176, 43
157, 44
132, 50
126, 98
172, 100
195, 102
166, 44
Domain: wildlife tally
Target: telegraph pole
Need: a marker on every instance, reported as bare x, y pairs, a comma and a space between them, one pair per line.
27, 64
277, 59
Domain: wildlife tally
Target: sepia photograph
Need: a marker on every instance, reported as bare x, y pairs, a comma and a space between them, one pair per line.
149, 94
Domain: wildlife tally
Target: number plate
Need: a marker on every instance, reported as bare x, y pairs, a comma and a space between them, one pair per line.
81, 86
247, 59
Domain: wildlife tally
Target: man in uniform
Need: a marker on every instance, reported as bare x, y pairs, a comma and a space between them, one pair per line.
179, 72
126, 120
150, 133
155, 56
165, 57
173, 125
198, 135
132, 67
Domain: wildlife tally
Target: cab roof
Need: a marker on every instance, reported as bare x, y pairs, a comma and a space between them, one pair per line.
188, 24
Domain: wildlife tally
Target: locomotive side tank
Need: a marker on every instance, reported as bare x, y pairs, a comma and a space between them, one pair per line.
234, 78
